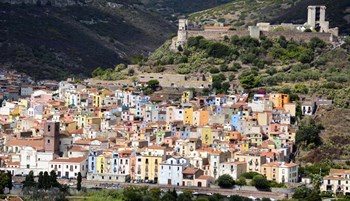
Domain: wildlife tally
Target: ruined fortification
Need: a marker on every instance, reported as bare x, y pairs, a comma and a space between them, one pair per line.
316, 22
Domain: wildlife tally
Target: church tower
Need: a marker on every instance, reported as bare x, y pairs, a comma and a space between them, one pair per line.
51, 137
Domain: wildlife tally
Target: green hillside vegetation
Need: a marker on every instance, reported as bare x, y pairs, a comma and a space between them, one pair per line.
248, 12
55, 42
278, 65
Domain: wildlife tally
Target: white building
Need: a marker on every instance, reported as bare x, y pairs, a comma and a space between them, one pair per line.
69, 167
234, 169
171, 171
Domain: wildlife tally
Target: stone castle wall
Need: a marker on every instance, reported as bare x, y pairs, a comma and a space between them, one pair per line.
217, 35
295, 35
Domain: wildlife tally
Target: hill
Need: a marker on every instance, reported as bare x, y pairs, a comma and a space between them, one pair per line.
54, 42
249, 12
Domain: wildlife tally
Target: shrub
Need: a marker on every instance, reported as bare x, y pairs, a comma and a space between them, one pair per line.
249, 175
214, 70
225, 181
260, 182
223, 68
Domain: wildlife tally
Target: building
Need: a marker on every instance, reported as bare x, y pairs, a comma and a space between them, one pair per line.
280, 172
69, 167
171, 171
234, 169
338, 181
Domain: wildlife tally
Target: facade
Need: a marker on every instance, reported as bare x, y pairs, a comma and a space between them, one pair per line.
171, 171
338, 181
280, 172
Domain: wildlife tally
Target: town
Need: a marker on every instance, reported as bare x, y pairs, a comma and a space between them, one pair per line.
122, 136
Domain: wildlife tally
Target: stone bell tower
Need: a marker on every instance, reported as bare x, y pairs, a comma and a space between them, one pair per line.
51, 137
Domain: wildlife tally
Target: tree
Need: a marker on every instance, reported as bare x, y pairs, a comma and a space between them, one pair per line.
153, 84
223, 68
9, 182
155, 193
214, 70
241, 181
120, 67
29, 180
308, 132
3, 181
316, 181
131, 72
41, 180
131, 193
306, 194
46, 181
168, 196
97, 72
79, 178
260, 182
53, 179
225, 181
231, 77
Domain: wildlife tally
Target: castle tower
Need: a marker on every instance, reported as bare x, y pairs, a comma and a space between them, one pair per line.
182, 32
311, 16
51, 137
316, 18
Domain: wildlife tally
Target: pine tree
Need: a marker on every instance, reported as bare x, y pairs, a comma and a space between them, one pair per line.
9, 182
29, 180
46, 181
41, 180
79, 178
53, 179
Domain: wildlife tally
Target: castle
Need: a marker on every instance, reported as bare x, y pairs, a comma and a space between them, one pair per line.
316, 21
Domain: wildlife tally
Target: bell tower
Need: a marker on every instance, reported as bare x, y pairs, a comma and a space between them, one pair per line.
51, 137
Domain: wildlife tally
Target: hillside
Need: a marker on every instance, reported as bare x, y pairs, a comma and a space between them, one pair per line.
249, 12
54, 42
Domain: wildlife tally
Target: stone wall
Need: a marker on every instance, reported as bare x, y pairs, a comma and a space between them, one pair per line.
297, 36
217, 35
176, 80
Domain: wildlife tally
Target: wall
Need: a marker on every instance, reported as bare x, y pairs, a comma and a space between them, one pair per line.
214, 35
297, 36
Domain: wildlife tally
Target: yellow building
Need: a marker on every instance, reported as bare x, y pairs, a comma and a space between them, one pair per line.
207, 136
280, 172
188, 116
101, 164
186, 96
150, 160
279, 100
245, 145
263, 119
290, 108
254, 160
